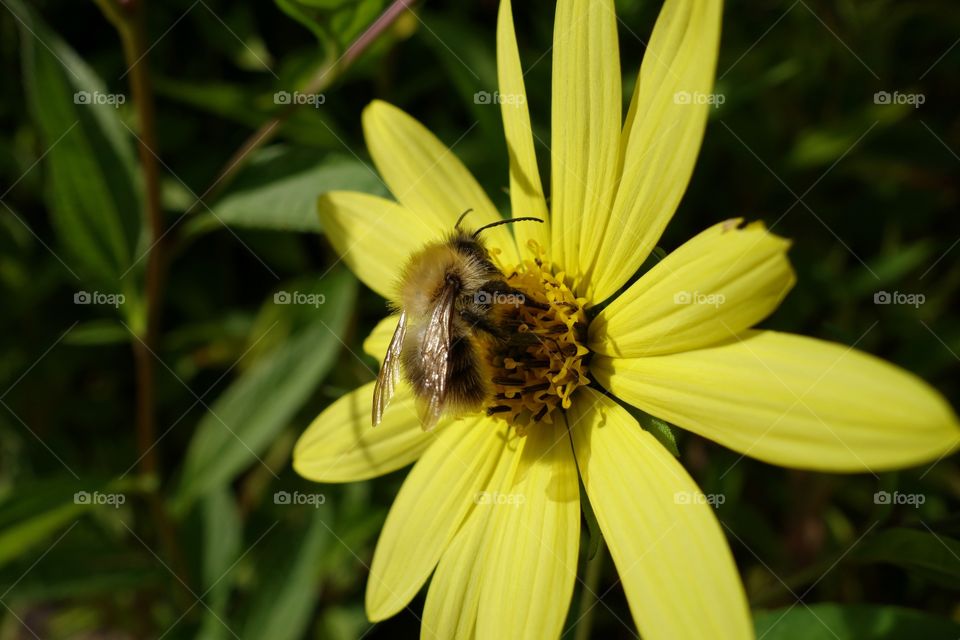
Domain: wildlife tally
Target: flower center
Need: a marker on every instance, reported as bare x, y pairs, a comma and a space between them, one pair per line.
543, 361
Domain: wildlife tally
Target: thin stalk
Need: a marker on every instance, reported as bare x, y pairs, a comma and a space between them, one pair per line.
588, 600
324, 77
129, 19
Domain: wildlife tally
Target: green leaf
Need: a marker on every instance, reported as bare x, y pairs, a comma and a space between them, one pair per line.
98, 333
30, 518
662, 431
280, 187
472, 68
25, 535
353, 19
852, 622
91, 188
222, 533
933, 556
222, 539
283, 600
343, 623
892, 267
238, 37
306, 126
334, 22
245, 419
81, 566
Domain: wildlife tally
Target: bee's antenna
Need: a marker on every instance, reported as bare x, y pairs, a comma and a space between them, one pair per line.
460, 219
500, 222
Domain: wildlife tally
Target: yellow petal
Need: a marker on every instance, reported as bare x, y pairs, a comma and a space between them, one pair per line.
432, 504
341, 446
530, 569
661, 138
721, 282
454, 595
585, 133
671, 555
378, 341
427, 177
526, 191
374, 236
792, 401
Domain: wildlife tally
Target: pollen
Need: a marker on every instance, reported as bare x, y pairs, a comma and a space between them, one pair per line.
543, 360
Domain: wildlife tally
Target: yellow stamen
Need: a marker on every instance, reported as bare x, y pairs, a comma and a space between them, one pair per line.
543, 360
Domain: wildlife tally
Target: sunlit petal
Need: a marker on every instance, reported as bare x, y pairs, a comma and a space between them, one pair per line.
526, 191
530, 569
661, 139
792, 401
433, 502
585, 132
453, 598
340, 445
721, 282
427, 177
670, 552
375, 236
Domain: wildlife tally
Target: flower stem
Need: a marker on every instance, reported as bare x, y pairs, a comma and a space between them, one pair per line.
323, 79
128, 18
589, 599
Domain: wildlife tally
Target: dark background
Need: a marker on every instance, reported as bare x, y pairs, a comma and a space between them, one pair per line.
868, 192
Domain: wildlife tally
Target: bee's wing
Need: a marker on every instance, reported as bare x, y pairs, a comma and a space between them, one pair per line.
389, 372
435, 357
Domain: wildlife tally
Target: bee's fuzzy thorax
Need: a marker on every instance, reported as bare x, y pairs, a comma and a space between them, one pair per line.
428, 270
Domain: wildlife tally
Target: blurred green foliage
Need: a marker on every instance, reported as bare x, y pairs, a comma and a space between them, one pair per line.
868, 192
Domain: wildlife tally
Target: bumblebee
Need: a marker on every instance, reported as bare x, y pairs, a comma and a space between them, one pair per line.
449, 294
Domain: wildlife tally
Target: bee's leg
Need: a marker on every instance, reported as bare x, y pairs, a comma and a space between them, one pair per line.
480, 322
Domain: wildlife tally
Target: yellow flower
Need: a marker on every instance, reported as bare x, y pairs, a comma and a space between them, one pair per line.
493, 512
